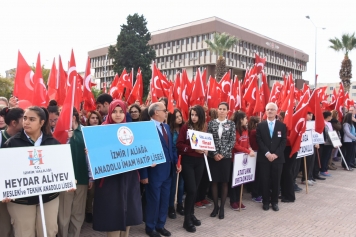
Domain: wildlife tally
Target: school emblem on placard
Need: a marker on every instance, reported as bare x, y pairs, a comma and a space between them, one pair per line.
194, 139
35, 157
125, 136
245, 160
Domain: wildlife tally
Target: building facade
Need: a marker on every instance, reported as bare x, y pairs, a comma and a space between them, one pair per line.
336, 85
184, 47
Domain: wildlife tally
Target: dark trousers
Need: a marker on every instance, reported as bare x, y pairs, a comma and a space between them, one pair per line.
234, 191
270, 177
325, 156
192, 171
349, 154
203, 186
157, 195
255, 185
287, 178
310, 165
316, 167
296, 167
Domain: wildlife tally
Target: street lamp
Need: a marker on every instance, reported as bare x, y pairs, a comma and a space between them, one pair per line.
316, 28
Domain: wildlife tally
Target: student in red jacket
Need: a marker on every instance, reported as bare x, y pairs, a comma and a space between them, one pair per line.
192, 164
242, 144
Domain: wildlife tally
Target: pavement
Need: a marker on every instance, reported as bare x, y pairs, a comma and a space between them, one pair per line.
329, 209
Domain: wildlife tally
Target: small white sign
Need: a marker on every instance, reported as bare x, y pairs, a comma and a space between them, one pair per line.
318, 138
306, 146
201, 140
34, 170
244, 169
334, 139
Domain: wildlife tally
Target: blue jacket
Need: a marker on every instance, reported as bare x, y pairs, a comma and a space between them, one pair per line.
162, 171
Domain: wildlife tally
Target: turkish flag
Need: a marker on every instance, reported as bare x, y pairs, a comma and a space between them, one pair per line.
78, 94
340, 101
250, 93
225, 85
40, 96
314, 107
88, 97
52, 82
65, 118
137, 90
276, 92
348, 101
286, 91
176, 88
260, 63
170, 106
305, 88
183, 97
288, 119
203, 76
61, 83
214, 91
159, 84
233, 97
259, 107
23, 84
113, 91
298, 128
303, 100
198, 94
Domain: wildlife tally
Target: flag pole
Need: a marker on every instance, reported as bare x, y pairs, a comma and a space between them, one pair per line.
72, 105
207, 167
132, 70
306, 175
42, 216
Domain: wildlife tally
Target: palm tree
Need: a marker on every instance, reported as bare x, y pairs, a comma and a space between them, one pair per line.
346, 45
221, 43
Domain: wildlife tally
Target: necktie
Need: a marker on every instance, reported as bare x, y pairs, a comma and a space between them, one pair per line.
164, 133
271, 129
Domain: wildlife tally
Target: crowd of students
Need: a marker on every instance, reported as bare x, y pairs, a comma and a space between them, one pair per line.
115, 203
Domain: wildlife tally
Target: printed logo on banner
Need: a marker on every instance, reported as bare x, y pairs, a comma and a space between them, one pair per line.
194, 139
125, 136
245, 160
35, 157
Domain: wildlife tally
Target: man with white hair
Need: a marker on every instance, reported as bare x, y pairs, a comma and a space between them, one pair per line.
271, 136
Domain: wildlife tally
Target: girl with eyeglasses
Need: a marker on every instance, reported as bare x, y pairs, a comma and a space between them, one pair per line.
135, 112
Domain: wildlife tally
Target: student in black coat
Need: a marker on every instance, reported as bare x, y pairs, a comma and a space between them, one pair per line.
271, 136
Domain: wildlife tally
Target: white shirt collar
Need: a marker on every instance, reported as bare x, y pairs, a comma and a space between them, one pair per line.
39, 140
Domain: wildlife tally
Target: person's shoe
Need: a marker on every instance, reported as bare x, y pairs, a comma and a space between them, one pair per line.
214, 212
297, 189
313, 181
265, 207
326, 174
275, 207
89, 217
350, 169
199, 205
310, 183
221, 213
319, 178
206, 203
180, 209
153, 234
243, 207
172, 213
257, 199
280, 197
300, 174
163, 232
285, 200
332, 167
352, 166
234, 206
188, 225
195, 221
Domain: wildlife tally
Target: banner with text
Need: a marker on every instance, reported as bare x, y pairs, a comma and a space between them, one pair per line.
306, 146
119, 148
244, 169
35, 170
201, 140
318, 138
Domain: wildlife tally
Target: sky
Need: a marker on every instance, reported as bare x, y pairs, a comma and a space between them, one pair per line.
54, 27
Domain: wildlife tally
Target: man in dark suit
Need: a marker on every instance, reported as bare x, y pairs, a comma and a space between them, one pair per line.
158, 178
271, 136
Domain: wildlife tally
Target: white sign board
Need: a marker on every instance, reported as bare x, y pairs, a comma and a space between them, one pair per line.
201, 140
35, 170
334, 139
306, 146
244, 169
318, 138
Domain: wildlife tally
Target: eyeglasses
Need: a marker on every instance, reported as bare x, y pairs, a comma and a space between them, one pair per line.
270, 109
134, 112
164, 110
53, 120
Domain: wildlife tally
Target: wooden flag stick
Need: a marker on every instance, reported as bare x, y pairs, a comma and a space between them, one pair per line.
306, 175
241, 191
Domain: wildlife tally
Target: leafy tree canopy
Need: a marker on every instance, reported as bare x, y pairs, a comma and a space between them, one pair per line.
6, 87
132, 49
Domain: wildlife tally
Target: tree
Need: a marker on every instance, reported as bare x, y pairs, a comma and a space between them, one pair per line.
221, 43
346, 45
132, 49
6, 87
96, 92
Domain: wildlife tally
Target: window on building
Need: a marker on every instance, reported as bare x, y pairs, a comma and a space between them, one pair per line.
192, 54
164, 45
173, 43
168, 58
182, 41
211, 36
207, 52
193, 40
187, 55
173, 57
199, 38
187, 40
353, 87
331, 88
353, 94
202, 53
